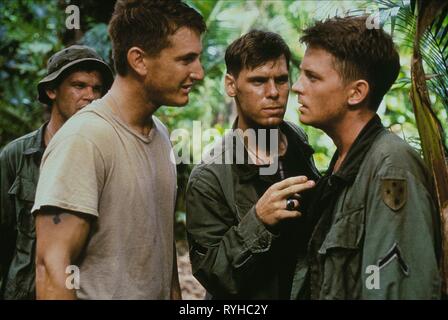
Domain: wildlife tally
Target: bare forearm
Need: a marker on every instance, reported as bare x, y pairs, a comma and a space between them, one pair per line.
51, 281
60, 239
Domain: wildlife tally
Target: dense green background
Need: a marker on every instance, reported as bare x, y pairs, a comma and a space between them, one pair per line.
31, 31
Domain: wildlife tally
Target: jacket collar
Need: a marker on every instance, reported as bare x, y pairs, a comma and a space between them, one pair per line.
351, 164
249, 171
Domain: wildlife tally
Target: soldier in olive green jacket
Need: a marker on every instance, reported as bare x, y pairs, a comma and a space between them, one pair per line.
244, 229
377, 233
76, 76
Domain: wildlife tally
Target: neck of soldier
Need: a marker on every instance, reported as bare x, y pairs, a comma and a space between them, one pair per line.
345, 131
263, 149
133, 106
54, 124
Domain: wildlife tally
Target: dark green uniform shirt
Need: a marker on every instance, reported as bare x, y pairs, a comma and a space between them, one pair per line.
19, 173
232, 253
377, 235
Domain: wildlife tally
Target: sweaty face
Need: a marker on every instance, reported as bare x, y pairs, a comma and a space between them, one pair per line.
174, 71
321, 90
76, 91
261, 94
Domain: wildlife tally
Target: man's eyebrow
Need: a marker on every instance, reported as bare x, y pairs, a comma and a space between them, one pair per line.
310, 72
84, 83
190, 55
258, 78
78, 82
282, 77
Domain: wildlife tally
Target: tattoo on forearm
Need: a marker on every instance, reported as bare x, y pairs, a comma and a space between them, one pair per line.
56, 219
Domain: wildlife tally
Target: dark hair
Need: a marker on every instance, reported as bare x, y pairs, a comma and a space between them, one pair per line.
359, 52
148, 24
254, 49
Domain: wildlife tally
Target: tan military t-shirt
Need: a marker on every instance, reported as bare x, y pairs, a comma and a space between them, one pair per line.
98, 165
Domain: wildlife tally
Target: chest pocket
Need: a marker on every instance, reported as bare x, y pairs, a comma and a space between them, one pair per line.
23, 191
346, 232
340, 256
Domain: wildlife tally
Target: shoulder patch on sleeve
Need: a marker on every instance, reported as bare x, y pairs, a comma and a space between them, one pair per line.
394, 193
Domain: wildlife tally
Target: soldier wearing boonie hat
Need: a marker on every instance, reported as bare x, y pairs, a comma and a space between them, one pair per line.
64, 61
76, 76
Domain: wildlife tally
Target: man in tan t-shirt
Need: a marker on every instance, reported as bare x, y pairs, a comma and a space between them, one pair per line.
106, 194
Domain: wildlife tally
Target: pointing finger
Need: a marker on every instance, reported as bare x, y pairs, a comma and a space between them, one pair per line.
289, 182
285, 193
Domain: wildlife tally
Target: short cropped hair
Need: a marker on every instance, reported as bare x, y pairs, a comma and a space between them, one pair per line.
359, 52
254, 49
147, 24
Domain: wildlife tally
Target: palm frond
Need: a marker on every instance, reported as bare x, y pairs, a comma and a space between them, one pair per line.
206, 8
435, 54
434, 40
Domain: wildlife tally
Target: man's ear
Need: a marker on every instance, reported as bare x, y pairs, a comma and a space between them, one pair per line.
136, 60
358, 92
230, 85
51, 93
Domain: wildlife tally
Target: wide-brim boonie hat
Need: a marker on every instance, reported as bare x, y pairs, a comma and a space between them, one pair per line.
68, 57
